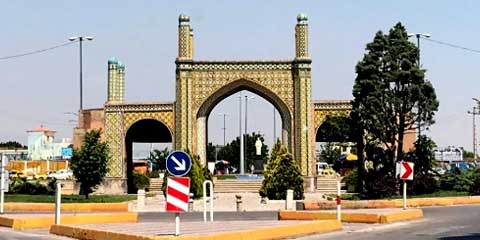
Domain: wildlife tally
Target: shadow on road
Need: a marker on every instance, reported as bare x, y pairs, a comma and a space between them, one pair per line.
464, 237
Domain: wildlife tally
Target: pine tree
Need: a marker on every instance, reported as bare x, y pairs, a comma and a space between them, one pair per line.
281, 175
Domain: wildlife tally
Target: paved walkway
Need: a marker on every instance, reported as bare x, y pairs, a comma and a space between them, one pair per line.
190, 228
224, 202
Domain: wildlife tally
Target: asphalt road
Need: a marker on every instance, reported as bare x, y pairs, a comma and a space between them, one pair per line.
9, 234
443, 223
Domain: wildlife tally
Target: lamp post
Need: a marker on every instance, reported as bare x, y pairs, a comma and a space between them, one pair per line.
224, 128
80, 39
475, 112
246, 132
242, 161
418, 36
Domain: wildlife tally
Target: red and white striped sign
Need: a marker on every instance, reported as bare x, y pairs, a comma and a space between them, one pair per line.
178, 190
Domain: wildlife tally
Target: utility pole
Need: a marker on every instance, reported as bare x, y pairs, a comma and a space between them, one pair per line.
242, 161
474, 113
224, 126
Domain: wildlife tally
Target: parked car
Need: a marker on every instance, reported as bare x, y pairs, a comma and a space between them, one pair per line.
62, 174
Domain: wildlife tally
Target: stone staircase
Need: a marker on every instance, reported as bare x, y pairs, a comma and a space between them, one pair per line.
237, 186
155, 185
328, 185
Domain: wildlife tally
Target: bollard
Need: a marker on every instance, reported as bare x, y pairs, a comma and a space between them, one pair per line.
238, 202
190, 203
339, 199
58, 201
140, 199
289, 200
208, 199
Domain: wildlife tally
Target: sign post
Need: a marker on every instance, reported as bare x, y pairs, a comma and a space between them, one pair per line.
178, 188
405, 172
3, 182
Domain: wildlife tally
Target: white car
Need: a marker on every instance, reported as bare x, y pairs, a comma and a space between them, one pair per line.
62, 174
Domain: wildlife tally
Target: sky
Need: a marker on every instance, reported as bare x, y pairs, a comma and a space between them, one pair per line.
40, 89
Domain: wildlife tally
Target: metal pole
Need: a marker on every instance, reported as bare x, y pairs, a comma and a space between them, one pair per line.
177, 224
2, 181
58, 200
404, 194
81, 75
474, 113
224, 128
245, 135
274, 126
419, 120
242, 162
339, 199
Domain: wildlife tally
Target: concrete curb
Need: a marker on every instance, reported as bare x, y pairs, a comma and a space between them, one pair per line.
395, 203
279, 232
400, 215
19, 223
67, 207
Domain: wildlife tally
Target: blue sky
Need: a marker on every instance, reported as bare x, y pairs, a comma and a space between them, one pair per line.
143, 34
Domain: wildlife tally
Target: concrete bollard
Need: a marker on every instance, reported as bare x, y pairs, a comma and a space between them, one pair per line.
140, 199
239, 202
190, 203
289, 203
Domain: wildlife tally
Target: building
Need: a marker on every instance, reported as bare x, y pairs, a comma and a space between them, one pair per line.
42, 145
448, 154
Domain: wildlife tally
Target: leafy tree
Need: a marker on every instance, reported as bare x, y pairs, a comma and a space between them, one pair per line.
198, 174
330, 152
390, 94
12, 145
282, 174
336, 129
158, 159
89, 163
211, 152
231, 152
468, 154
422, 156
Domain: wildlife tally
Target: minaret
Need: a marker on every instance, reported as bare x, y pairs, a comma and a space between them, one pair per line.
301, 37
304, 151
116, 80
185, 49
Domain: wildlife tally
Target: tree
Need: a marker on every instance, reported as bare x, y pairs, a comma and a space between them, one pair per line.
158, 159
89, 163
330, 152
12, 145
336, 129
281, 175
422, 156
211, 152
390, 94
231, 152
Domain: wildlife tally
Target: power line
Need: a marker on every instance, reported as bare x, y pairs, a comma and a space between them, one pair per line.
36, 51
452, 45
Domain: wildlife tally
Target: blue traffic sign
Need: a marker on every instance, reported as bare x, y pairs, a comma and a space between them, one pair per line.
178, 163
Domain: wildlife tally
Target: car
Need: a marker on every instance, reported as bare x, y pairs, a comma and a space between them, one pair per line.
62, 174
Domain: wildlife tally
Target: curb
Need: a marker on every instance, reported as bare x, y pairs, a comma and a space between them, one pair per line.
382, 218
67, 207
45, 222
279, 232
395, 203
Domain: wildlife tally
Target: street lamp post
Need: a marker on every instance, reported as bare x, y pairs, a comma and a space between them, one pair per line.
224, 126
475, 111
80, 39
246, 132
418, 36
242, 161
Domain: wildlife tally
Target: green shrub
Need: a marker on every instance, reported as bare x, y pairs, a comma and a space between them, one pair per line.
30, 187
154, 174
351, 180
475, 188
423, 184
379, 184
282, 174
460, 181
141, 181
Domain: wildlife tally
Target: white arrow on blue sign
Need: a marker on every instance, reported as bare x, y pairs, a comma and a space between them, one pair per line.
178, 163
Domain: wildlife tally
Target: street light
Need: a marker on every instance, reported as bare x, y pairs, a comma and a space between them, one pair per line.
242, 161
224, 128
474, 113
80, 39
246, 120
418, 36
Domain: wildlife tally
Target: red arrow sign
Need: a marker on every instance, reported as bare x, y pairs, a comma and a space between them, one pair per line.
408, 171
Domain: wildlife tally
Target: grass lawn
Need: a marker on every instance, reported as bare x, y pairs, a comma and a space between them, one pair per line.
435, 194
69, 198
